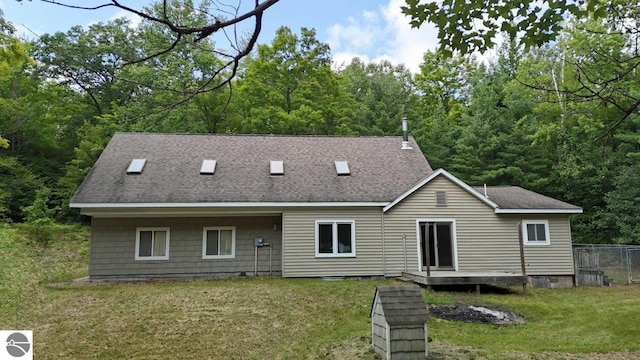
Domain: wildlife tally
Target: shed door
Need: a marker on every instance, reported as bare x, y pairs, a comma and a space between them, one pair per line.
438, 237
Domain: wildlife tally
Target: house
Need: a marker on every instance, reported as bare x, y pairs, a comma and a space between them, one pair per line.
168, 205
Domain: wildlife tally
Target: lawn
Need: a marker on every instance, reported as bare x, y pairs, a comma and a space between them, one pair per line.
272, 318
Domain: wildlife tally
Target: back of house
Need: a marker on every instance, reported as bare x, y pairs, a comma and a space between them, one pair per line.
209, 205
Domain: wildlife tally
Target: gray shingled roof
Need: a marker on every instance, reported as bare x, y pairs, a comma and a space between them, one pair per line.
402, 304
514, 197
380, 169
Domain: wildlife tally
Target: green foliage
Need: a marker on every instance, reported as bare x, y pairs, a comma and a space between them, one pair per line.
385, 94
39, 213
561, 120
40, 216
18, 186
466, 26
89, 59
623, 205
289, 88
445, 87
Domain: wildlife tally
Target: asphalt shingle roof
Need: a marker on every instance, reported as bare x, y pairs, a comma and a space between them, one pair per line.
402, 304
380, 169
514, 197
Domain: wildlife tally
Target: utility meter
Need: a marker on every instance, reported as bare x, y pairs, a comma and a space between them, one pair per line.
258, 241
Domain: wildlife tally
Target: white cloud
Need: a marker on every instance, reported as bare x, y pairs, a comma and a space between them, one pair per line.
134, 20
370, 15
383, 34
343, 58
407, 45
355, 35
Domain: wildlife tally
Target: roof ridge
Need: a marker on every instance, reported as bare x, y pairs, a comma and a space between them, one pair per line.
265, 135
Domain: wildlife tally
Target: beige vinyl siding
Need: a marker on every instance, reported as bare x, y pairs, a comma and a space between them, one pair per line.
299, 255
112, 248
553, 259
485, 241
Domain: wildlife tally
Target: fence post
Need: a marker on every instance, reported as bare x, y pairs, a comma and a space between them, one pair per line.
629, 277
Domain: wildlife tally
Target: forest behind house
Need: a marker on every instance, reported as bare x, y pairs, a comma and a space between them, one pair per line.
561, 120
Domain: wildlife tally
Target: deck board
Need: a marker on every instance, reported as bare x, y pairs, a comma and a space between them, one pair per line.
466, 278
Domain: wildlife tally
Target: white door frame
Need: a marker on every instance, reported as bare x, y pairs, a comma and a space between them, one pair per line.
454, 239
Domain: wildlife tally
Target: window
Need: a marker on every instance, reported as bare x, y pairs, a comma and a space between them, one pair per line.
208, 167
535, 232
136, 166
219, 242
335, 238
342, 168
277, 167
152, 244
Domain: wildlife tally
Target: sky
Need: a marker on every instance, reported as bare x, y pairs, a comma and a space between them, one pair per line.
372, 30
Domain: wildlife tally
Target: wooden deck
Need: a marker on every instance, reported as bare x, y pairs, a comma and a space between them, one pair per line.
466, 278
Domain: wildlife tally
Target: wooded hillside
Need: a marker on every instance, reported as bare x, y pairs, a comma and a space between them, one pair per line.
561, 120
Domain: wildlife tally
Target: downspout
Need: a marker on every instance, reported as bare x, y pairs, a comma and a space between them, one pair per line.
404, 250
384, 259
523, 267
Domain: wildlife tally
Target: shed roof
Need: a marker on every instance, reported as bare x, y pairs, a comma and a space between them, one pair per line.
379, 169
515, 197
402, 304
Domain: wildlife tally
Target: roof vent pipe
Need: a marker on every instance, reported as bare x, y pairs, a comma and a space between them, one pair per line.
485, 191
405, 134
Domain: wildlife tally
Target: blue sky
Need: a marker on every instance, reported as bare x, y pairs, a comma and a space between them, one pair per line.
370, 29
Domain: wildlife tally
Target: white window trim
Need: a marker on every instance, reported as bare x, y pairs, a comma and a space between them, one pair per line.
153, 229
233, 242
525, 234
335, 254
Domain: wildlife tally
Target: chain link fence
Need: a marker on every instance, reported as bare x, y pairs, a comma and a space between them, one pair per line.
606, 264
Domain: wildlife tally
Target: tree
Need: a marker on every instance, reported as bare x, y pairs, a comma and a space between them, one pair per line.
88, 61
222, 19
385, 93
623, 204
472, 25
289, 88
444, 84
165, 93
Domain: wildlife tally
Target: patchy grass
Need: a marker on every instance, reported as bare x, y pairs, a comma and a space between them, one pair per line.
271, 318
575, 320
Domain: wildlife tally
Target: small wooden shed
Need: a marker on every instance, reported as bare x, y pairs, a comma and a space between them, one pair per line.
399, 322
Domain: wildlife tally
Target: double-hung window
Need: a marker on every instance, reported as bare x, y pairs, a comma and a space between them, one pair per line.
219, 242
535, 232
335, 238
152, 243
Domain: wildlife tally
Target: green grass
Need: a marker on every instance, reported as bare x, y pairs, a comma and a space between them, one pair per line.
275, 318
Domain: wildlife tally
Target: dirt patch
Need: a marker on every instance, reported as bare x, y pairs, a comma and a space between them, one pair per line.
476, 314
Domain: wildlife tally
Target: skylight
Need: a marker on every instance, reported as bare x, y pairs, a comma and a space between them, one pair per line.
277, 167
342, 168
136, 166
208, 167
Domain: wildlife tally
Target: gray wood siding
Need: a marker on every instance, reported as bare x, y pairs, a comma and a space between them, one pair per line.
407, 342
112, 248
378, 329
299, 257
486, 241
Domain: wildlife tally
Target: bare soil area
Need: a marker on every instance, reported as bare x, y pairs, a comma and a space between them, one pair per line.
476, 313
